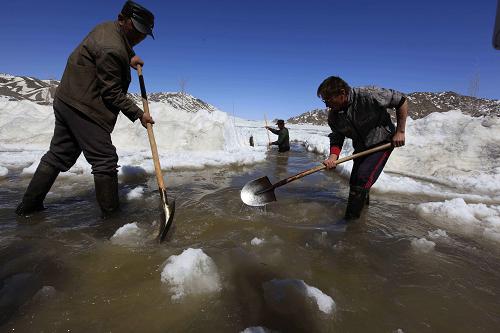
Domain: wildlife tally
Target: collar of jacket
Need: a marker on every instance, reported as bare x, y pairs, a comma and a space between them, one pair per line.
129, 48
350, 98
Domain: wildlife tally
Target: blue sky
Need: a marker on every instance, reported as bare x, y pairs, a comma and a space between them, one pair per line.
258, 57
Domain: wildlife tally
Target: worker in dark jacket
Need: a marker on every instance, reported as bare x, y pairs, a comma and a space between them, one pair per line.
361, 115
92, 91
283, 141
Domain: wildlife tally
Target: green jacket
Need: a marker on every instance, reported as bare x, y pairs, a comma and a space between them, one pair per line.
97, 77
283, 141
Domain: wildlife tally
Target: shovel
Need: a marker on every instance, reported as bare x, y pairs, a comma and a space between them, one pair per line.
167, 210
260, 192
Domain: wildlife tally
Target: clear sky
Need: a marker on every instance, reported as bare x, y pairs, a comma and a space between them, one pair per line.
261, 57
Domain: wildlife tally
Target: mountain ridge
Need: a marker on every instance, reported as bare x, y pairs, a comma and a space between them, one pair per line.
42, 92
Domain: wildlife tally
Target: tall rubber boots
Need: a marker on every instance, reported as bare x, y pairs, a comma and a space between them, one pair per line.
40, 185
357, 199
106, 190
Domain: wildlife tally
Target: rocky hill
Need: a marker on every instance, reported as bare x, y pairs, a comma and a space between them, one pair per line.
42, 92
420, 105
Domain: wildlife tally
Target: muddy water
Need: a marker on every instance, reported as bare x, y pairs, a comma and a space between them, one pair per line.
59, 271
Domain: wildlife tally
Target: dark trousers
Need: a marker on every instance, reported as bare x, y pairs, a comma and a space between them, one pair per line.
75, 133
367, 169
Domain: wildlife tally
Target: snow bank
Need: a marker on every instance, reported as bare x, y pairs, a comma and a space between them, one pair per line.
191, 273
184, 139
447, 155
477, 220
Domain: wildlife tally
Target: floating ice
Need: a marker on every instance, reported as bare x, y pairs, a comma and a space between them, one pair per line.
437, 234
128, 234
135, 193
191, 273
422, 245
286, 293
257, 241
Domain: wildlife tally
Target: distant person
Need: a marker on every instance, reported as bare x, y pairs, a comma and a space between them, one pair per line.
496, 29
251, 141
92, 91
283, 141
361, 115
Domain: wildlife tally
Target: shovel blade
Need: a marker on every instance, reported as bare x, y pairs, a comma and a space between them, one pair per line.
254, 192
167, 215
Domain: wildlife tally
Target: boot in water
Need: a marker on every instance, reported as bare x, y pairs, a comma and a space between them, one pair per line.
40, 185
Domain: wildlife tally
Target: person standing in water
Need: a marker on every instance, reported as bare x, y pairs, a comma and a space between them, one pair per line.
92, 91
361, 115
283, 141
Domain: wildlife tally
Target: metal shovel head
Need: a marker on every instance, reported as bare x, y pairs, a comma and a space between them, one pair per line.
167, 215
254, 192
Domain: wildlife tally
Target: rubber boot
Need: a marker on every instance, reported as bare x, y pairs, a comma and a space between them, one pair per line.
39, 186
355, 202
106, 190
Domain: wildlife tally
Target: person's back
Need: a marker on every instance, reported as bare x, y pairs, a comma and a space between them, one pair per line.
283, 140
97, 76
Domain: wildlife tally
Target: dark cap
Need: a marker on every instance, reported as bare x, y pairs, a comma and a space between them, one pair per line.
280, 121
142, 19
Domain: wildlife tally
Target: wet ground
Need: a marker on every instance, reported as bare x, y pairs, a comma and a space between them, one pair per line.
60, 272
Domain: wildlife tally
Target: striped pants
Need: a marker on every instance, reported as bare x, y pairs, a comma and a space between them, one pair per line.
367, 169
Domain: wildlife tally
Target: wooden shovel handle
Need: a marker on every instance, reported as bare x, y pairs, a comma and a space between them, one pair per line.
267, 131
322, 166
151, 136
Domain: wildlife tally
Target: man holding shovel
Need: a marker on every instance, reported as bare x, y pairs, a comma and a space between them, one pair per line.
283, 141
361, 115
93, 90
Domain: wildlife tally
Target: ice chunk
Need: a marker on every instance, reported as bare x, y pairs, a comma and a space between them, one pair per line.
191, 273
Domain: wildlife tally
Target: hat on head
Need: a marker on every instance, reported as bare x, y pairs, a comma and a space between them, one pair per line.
280, 121
142, 19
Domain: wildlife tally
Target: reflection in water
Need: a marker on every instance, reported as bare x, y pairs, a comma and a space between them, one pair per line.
369, 268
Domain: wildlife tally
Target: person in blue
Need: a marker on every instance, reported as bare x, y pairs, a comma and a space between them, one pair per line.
361, 115
283, 141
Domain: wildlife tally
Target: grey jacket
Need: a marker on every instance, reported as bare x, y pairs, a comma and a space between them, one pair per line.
97, 77
366, 120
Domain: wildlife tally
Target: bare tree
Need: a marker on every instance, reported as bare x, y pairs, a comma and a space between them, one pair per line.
473, 91
182, 85
474, 85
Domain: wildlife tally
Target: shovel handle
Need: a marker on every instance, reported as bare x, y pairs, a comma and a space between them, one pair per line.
267, 131
322, 166
149, 127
